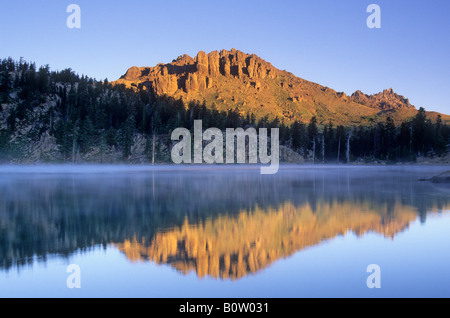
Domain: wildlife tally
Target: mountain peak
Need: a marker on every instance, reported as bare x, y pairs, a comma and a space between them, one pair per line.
385, 100
237, 80
196, 74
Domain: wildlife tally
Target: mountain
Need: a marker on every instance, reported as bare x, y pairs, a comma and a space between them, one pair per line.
59, 116
235, 80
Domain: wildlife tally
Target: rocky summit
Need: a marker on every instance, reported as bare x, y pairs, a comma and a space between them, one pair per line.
235, 80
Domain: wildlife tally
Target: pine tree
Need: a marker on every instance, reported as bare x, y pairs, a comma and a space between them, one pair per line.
390, 138
329, 141
296, 137
5, 86
312, 136
439, 142
127, 136
340, 136
111, 137
418, 127
87, 134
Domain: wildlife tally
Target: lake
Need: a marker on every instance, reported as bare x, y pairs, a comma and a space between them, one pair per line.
223, 231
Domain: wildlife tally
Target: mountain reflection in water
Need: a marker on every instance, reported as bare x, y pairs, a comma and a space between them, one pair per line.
234, 246
224, 223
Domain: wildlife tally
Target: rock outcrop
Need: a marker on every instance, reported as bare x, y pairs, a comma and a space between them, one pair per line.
442, 178
385, 100
191, 75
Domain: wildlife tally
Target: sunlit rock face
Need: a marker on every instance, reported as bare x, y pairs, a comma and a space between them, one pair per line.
193, 74
230, 80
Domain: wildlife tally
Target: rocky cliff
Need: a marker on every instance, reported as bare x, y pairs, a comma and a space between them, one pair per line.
191, 75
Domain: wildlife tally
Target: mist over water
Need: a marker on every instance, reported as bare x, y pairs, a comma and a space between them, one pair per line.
222, 230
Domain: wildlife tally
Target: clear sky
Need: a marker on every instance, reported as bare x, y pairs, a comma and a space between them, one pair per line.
324, 41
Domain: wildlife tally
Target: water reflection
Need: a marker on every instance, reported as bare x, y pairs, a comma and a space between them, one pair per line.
234, 246
222, 223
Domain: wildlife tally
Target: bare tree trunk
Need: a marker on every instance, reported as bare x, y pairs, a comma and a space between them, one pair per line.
153, 149
73, 150
348, 147
314, 149
113, 152
74, 145
323, 149
339, 149
102, 148
410, 140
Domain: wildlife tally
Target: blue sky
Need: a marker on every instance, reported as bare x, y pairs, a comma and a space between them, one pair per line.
324, 41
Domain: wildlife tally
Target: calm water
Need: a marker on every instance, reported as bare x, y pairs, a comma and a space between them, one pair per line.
308, 231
